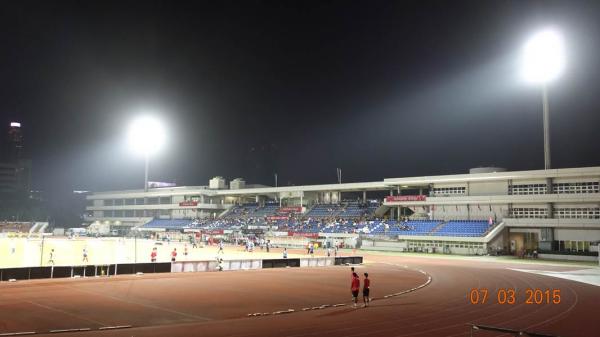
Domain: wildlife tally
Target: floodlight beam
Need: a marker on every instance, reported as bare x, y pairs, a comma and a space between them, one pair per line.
543, 57
146, 136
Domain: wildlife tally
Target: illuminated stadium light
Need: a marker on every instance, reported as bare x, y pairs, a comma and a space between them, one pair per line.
146, 136
15, 125
543, 57
543, 61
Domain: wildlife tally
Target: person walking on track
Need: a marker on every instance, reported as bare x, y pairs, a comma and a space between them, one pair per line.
355, 287
366, 289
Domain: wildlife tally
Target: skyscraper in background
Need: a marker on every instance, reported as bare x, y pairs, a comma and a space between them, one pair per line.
15, 142
15, 168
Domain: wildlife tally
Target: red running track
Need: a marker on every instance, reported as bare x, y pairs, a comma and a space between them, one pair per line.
217, 304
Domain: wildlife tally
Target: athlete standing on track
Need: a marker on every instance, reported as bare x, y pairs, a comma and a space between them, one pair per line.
366, 289
153, 255
51, 260
174, 255
85, 255
355, 287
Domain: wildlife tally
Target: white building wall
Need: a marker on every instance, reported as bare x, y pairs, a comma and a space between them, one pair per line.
576, 234
178, 198
488, 188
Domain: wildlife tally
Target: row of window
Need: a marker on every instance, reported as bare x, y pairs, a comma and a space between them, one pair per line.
535, 213
574, 246
447, 191
585, 187
558, 188
142, 201
138, 213
527, 189
561, 213
442, 244
138, 201
577, 213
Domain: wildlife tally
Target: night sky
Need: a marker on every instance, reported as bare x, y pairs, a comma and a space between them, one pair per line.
250, 88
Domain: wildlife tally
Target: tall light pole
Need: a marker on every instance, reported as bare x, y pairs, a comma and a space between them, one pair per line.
146, 136
544, 61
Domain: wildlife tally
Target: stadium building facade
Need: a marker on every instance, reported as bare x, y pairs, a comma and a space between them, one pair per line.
555, 210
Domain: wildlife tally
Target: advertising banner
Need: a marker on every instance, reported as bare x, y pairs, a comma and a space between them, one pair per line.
305, 235
392, 198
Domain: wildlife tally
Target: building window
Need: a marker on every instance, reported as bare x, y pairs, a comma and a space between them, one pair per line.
129, 202
139, 201
164, 212
583, 187
577, 213
527, 189
118, 202
152, 213
531, 213
449, 191
139, 213
118, 214
129, 213
108, 214
574, 246
165, 200
109, 202
152, 201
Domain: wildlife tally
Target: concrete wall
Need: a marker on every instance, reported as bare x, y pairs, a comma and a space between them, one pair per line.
577, 234
242, 264
200, 266
568, 257
488, 188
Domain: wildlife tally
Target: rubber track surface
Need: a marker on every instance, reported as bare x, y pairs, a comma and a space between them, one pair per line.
218, 304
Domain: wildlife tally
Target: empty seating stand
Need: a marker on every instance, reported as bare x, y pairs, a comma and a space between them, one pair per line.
464, 228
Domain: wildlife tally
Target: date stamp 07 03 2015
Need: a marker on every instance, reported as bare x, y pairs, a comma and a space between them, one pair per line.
512, 296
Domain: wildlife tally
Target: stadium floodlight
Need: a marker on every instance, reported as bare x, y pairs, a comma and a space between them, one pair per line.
543, 57
146, 136
543, 61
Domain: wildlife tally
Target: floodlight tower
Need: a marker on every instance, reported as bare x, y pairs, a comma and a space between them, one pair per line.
543, 62
146, 136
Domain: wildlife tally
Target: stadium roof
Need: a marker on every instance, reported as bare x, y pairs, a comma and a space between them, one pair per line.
386, 184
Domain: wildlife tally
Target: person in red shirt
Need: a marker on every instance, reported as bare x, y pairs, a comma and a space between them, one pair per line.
153, 255
174, 255
366, 288
355, 287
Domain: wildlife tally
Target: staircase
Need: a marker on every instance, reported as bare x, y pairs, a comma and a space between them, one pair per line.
381, 210
438, 227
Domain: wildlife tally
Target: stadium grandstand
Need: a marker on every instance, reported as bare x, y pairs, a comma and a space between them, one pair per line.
486, 211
